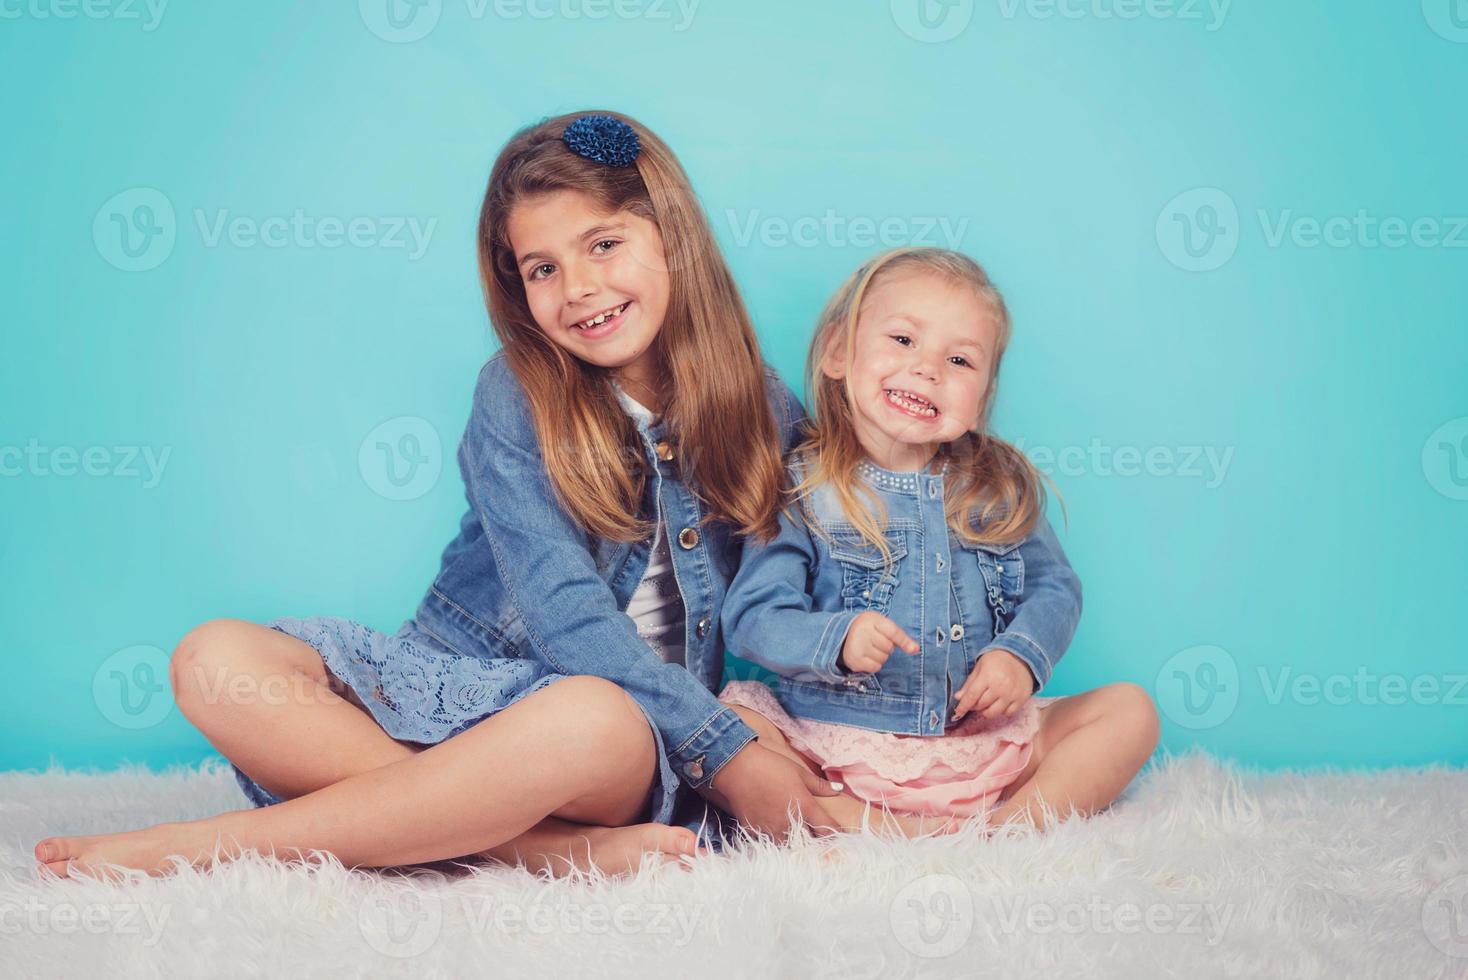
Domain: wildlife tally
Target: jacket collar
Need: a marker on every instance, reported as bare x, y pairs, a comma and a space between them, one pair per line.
892, 481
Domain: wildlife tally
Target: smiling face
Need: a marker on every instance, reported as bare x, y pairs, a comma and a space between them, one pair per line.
596, 282
920, 372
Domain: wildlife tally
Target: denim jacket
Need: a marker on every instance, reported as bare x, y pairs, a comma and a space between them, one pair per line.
522, 579
793, 601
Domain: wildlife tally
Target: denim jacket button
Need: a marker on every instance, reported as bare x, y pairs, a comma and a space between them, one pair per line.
703, 627
665, 451
688, 538
956, 632
695, 768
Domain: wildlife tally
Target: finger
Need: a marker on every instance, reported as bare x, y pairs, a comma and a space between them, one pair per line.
818, 785
969, 696
991, 697
892, 632
997, 708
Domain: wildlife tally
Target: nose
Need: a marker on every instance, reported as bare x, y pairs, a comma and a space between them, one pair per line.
923, 366
578, 283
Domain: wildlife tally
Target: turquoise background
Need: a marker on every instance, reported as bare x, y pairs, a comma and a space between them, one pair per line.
1332, 546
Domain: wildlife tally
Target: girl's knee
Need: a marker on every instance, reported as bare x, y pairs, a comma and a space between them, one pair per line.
602, 712
1131, 706
206, 647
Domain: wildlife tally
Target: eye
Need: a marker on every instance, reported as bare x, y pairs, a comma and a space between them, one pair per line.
609, 243
960, 361
902, 339
539, 272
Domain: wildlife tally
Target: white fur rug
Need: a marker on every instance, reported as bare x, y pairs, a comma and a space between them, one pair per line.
1201, 870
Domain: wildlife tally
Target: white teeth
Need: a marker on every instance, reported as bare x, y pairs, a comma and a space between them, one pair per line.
909, 402
600, 318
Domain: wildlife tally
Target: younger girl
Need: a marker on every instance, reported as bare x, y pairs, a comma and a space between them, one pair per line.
916, 598
619, 448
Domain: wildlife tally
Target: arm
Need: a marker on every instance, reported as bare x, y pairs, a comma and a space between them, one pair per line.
768, 615
571, 617
1047, 613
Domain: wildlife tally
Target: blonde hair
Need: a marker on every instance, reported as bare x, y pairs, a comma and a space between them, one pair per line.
717, 406
994, 493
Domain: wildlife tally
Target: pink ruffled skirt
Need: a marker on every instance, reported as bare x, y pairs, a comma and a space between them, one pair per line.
961, 773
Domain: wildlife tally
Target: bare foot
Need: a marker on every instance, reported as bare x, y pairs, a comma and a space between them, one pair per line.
619, 850
149, 850
613, 850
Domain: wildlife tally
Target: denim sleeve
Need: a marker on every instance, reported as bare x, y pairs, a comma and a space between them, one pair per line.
768, 619
788, 410
1048, 611
571, 616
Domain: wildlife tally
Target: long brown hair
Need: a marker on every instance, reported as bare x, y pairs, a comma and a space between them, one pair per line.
716, 408
996, 495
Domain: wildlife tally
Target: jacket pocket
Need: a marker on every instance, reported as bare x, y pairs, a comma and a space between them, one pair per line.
1003, 568
867, 580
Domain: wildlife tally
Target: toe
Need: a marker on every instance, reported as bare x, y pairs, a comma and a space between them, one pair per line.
48, 868
53, 849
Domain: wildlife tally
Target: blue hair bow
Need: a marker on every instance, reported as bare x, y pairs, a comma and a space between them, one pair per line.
604, 139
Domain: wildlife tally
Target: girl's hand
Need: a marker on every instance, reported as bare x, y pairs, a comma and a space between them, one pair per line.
999, 685
758, 786
871, 640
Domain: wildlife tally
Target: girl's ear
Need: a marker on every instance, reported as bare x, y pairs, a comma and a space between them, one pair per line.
833, 358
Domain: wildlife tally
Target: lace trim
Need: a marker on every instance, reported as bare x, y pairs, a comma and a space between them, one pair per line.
965, 748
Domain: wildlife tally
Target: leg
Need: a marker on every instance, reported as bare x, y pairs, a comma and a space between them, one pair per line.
847, 808
1088, 748
468, 794
294, 701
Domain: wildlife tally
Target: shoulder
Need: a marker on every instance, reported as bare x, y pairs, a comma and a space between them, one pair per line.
500, 407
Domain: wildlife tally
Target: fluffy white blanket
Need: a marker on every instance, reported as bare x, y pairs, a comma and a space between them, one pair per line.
1201, 870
